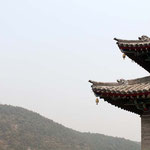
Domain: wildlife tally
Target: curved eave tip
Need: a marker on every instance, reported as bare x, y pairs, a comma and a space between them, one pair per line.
90, 81
116, 39
93, 82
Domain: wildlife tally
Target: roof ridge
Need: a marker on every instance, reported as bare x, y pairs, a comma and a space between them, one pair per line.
142, 39
139, 80
122, 82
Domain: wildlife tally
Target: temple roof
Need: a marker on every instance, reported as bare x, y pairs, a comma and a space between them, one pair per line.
131, 95
120, 92
137, 50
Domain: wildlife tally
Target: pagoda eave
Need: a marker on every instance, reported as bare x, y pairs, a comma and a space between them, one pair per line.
137, 50
130, 95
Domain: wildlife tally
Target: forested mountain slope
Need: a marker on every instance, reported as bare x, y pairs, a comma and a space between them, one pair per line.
21, 129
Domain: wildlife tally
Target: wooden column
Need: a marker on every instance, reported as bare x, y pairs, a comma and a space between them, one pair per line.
145, 129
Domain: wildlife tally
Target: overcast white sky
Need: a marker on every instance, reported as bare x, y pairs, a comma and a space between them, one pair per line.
49, 49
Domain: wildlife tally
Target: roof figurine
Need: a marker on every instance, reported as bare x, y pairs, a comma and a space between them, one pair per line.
131, 95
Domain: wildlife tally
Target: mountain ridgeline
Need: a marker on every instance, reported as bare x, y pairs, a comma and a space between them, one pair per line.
21, 129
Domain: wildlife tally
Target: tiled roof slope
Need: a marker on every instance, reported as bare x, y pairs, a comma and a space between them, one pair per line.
118, 93
137, 50
123, 87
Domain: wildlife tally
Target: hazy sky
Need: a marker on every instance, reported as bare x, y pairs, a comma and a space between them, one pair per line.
49, 49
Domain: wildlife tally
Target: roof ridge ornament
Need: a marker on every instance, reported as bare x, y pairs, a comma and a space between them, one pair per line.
122, 82
144, 38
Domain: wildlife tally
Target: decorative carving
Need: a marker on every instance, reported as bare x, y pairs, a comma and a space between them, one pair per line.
122, 81
144, 38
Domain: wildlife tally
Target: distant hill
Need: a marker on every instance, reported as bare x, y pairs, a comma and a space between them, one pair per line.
21, 129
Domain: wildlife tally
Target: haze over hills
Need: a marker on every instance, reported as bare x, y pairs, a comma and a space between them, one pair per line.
21, 129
